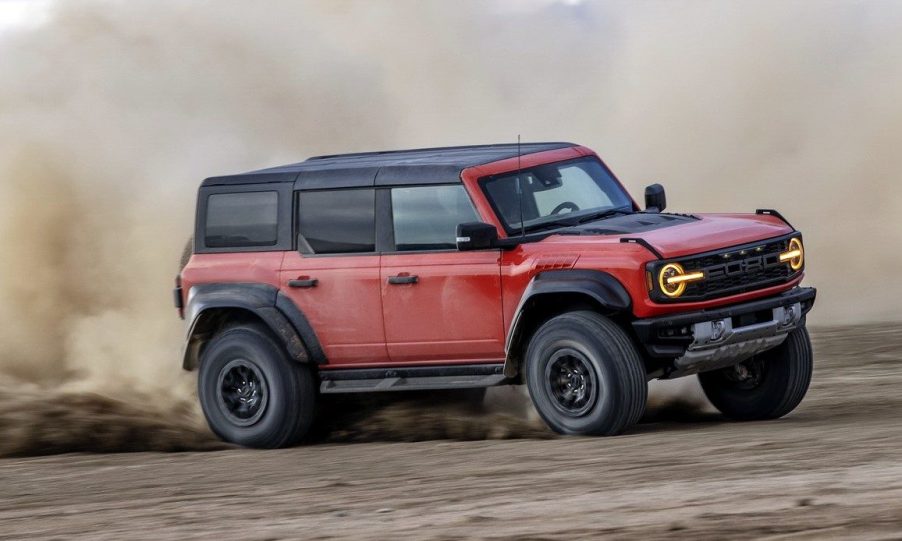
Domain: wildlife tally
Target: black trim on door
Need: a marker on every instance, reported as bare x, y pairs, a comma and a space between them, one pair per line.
385, 231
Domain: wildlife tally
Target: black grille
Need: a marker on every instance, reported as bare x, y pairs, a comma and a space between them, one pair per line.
735, 270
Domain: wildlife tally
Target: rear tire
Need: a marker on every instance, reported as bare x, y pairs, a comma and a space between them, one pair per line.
251, 393
585, 376
767, 386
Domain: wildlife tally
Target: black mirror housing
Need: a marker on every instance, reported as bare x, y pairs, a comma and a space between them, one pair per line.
476, 236
655, 198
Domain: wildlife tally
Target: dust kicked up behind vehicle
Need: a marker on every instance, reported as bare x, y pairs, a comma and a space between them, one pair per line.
468, 267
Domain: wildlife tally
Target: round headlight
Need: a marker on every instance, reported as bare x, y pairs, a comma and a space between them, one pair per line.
671, 270
798, 253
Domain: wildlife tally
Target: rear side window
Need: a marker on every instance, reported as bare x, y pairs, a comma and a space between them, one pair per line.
242, 219
426, 217
337, 221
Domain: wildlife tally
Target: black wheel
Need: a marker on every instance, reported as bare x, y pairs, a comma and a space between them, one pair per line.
251, 393
585, 376
767, 386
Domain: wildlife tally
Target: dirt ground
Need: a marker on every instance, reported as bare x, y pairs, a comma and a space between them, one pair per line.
831, 469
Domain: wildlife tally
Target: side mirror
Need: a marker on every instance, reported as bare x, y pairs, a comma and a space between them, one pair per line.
476, 236
655, 200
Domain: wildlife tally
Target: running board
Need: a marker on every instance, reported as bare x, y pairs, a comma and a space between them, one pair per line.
368, 380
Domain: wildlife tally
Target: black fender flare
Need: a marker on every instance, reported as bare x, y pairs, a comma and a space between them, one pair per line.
598, 285
275, 309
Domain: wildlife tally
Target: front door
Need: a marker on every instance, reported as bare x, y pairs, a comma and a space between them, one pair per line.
440, 305
334, 276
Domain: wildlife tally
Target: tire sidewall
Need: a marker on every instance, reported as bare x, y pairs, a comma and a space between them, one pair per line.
281, 381
786, 377
546, 342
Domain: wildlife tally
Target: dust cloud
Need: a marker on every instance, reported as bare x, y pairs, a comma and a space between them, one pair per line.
498, 413
112, 112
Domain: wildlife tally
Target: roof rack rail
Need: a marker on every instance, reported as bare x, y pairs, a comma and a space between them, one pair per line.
428, 149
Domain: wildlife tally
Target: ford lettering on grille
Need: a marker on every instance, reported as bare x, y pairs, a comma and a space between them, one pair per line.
737, 270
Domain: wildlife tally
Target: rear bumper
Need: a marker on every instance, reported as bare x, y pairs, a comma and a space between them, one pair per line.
708, 339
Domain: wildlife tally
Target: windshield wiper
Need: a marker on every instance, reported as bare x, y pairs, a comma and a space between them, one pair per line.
601, 215
555, 224
576, 220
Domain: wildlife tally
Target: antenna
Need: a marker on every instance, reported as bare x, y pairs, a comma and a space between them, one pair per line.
520, 190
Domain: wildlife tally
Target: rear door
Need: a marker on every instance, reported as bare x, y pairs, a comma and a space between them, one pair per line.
439, 305
334, 278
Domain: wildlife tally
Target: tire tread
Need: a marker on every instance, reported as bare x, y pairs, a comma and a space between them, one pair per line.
779, 396
299, 386
628, 366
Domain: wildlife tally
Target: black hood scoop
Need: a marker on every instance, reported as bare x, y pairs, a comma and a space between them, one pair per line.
627, 224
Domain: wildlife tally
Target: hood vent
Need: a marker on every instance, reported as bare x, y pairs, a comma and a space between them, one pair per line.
631, 223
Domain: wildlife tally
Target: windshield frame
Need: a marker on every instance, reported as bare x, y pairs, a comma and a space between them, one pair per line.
542, 225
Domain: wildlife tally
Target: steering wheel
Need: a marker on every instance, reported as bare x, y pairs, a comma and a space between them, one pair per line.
565, 206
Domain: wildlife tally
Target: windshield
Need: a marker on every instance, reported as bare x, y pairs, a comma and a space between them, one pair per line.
555, 195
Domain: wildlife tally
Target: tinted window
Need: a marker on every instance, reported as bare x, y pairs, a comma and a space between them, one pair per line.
426, 217
337, 221
242, 219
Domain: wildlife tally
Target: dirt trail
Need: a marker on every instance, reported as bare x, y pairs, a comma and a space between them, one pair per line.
831, 469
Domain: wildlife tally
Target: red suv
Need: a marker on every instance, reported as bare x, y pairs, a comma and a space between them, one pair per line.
468, 267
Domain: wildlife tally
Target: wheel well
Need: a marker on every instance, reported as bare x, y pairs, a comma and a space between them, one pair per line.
540, 308
208, 324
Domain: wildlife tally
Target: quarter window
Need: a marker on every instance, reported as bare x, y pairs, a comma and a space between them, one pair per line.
337, 221
242, 219
426, 217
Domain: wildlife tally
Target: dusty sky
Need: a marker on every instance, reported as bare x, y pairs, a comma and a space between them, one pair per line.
111, 112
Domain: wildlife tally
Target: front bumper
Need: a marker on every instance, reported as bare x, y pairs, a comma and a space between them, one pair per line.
710, 339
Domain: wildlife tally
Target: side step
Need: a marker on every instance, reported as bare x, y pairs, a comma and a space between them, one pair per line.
367, 380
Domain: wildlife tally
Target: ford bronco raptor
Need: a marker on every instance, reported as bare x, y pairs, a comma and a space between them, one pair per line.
468, 267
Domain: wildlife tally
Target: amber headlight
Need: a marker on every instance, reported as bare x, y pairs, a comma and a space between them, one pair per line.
672, 279
794, 255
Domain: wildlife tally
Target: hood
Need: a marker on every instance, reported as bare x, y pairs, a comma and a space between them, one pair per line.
677, 235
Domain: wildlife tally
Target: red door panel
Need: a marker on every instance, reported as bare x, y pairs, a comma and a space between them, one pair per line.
344, 306
451, 314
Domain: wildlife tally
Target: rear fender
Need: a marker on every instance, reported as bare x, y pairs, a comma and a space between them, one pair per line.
210, 305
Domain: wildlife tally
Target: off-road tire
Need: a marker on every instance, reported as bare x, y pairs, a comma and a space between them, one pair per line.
609, 361
785, 373
288, 411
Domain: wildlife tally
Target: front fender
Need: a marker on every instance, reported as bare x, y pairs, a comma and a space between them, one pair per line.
599, 286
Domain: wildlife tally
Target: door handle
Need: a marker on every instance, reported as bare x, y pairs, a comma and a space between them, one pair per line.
303, 282
403, 279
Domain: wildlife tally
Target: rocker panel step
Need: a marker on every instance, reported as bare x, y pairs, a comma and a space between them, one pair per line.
410, 378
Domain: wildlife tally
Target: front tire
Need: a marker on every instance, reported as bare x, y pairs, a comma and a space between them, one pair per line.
585, 376
251, 393
767, 386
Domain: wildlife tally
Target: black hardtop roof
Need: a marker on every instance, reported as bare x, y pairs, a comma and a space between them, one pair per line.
387, 168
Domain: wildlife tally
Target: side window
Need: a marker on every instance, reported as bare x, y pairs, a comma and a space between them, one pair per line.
426, 217
337, 221
242, 219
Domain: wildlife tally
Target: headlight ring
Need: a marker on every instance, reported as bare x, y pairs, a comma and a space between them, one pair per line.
794, 255
672, 279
